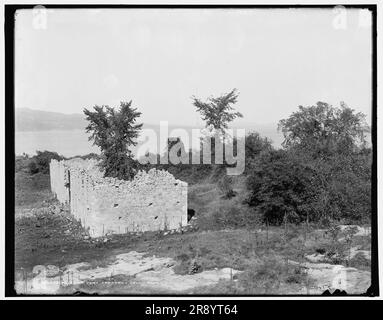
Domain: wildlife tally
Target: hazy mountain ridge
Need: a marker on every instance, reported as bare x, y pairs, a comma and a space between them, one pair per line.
37, 120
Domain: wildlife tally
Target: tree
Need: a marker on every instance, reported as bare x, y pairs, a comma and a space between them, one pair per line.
254, 145
323, 129
218, 112
114, 132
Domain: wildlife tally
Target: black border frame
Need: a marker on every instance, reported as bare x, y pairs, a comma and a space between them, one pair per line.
9, 12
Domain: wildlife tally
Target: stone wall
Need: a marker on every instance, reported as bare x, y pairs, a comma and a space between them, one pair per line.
59, 180
151, 201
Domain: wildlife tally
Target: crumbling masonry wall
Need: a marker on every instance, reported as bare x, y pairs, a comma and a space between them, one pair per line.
152, 201
59, 180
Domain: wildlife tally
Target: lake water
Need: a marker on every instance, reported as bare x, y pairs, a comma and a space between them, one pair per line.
67, 143
75, 142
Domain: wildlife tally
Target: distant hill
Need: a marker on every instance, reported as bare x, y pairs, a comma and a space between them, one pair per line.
36, 120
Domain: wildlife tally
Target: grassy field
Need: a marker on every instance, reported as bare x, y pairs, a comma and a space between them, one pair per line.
31, 190
223, 235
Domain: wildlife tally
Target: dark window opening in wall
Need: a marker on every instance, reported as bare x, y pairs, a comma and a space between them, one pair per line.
191, 213
115, 205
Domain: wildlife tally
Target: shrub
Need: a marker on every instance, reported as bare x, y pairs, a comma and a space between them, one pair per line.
22, 163
225, 187
36, 164
43, 159
343, 184
280, 187
32, 167
292, 185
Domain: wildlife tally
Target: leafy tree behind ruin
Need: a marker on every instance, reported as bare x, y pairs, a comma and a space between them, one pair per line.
115, 132
218, 112
324, 130
323, 173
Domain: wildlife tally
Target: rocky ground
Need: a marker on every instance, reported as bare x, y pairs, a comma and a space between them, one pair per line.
55, 255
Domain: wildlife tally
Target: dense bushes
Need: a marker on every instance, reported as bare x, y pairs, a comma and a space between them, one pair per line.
254, 145
291, 185
43, 158
324, 172
343, 187
281, 187
38, 163
216, 173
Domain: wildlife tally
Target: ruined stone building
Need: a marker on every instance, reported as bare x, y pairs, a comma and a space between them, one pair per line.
152, 201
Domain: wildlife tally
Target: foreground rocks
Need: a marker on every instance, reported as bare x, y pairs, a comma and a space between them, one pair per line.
133, 270
331, 277
47, 231
154, 273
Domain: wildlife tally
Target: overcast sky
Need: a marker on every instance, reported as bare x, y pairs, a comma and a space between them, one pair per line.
277, 59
